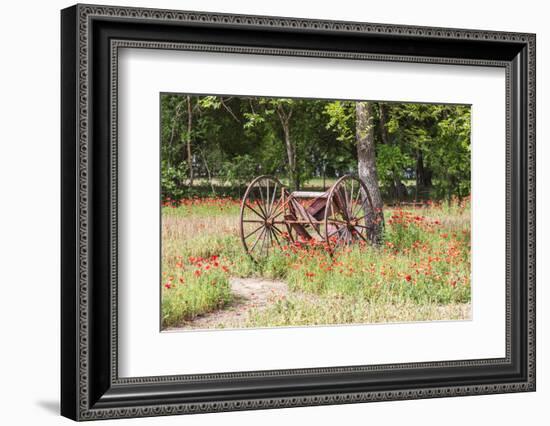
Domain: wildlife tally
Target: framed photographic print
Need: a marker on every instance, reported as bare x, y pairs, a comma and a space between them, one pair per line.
263, 212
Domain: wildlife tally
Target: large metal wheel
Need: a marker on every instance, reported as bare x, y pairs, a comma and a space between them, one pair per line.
348, 204
262, 226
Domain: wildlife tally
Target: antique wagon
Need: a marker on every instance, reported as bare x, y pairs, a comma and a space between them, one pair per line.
272, 216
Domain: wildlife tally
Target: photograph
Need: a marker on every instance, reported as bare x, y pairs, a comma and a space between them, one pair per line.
294, 212
266, 209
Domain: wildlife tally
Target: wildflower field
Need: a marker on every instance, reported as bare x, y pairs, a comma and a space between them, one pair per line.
421, 272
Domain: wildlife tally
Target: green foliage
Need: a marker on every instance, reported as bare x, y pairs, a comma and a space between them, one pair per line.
239, 171
391, 162
171, 180
234, 139
341, 120
440, 136
449, 154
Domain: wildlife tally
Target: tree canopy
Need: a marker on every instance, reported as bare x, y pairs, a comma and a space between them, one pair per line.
217, 144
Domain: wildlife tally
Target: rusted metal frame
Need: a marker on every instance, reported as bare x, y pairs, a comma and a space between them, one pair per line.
304, 213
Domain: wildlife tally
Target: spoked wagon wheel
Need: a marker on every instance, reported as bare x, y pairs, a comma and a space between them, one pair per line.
348, 202
262, 217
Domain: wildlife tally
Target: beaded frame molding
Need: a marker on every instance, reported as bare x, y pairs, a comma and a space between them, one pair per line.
91, 37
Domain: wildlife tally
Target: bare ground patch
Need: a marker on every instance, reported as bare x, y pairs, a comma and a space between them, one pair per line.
249, 293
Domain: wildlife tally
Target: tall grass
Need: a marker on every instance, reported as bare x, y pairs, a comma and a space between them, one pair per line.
424, 262
192, 294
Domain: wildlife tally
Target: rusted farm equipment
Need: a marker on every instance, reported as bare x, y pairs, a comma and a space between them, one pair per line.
272, 216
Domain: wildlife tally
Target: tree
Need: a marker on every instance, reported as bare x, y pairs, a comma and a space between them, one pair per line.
266, 109
284, 112
189, 129
448, 153
366, 167
353, 122
299, 139
390, 159
435, 140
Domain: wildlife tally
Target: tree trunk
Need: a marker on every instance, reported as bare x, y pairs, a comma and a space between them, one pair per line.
364, 134
189, 129
383, 119
284, 117
423, 175
291, 156
398, 189
208, 172
173, 132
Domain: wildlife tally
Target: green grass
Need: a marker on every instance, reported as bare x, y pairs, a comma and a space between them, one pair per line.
190, 295
422, 271
300, 311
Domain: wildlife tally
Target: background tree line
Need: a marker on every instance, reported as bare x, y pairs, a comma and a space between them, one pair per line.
214, 145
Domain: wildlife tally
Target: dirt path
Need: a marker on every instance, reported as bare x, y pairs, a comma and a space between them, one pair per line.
249, 293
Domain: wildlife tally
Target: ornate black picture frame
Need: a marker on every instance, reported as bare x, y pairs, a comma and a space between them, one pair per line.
91, 387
